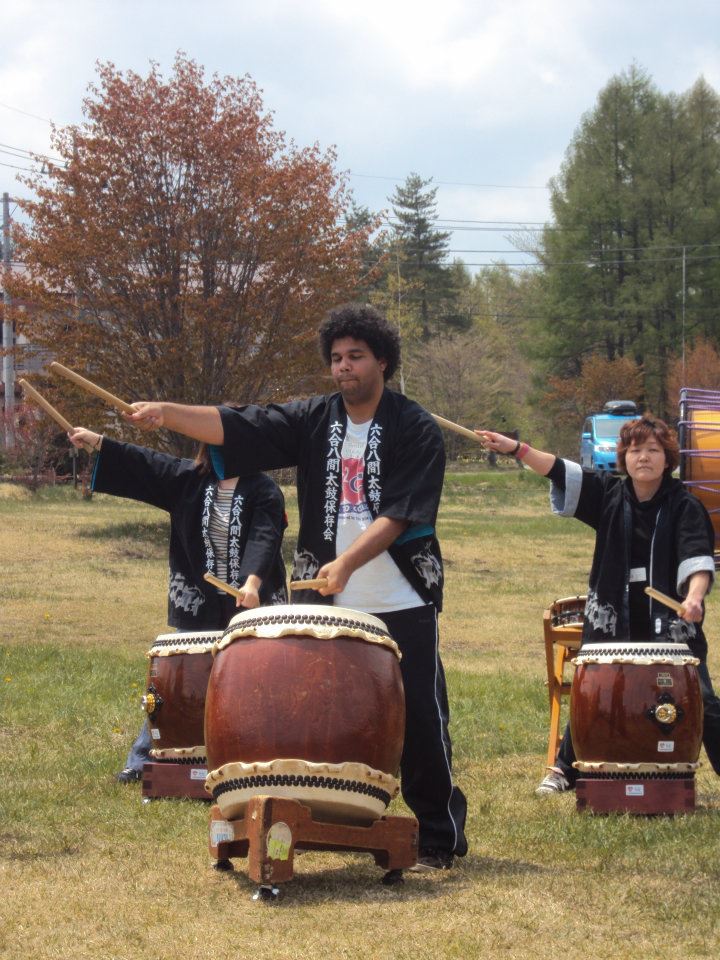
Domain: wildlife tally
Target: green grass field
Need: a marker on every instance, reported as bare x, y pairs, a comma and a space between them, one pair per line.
89, 871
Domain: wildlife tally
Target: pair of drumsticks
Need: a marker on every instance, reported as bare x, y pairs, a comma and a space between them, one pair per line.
124, 407
88, 385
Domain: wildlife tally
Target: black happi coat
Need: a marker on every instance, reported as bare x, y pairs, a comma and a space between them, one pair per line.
682, 544
404, 470
177, 486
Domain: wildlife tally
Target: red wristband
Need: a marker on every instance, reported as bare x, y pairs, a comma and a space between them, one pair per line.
522, 452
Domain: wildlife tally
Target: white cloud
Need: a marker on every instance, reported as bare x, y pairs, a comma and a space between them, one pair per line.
467, 90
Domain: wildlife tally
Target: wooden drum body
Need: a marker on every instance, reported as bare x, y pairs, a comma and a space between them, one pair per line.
700, 451
636, 708
306, 702
178, 672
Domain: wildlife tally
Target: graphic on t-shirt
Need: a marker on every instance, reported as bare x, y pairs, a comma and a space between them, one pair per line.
352, 501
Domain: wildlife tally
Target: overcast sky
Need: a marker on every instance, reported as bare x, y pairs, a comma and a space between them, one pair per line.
481, 95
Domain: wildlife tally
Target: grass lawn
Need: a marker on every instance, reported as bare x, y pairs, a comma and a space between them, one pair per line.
88, 871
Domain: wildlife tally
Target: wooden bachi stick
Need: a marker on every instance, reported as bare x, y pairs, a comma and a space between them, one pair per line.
40, 400
309, 584
463, 431
664, 598
91, 387
221, 585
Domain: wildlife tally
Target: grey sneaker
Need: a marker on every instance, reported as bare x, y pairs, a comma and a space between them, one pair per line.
555, 782
128, 775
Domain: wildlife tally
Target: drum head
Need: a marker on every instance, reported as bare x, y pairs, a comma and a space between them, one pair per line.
313, 620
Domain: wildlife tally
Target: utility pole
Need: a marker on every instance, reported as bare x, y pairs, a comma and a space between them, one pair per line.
8, 361
684, 285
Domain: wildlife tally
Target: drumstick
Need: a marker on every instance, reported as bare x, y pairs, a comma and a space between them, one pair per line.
221, 585
309, 584
664, 598
40, 400
463, 431
91, 387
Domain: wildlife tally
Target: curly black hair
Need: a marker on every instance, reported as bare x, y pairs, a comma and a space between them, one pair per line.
361, 322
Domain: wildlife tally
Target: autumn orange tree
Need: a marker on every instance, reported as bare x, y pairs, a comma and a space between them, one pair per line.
567, 401
699, 369
183, 250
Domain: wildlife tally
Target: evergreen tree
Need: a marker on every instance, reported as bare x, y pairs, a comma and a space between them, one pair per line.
419, 250
636, 210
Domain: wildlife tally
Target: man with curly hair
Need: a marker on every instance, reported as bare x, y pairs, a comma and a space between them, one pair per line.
370, 466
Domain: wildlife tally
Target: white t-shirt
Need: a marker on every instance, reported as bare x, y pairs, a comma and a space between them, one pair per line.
378, 585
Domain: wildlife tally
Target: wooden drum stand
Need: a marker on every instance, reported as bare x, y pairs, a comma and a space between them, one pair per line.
169, 779
274, 827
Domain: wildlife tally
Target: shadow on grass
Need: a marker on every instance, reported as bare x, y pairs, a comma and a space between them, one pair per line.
351, 882
357, 881
145, 531
490, 866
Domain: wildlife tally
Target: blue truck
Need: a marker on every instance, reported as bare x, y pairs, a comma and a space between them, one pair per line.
598, 444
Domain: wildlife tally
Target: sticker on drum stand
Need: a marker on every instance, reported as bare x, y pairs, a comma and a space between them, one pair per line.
666, 746
279, 841
154, 733
664, 680
635, 790
221, 832
198, 773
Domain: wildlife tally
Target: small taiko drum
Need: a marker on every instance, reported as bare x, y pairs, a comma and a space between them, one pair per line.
305, 702
568, 612
178, 671
636, 708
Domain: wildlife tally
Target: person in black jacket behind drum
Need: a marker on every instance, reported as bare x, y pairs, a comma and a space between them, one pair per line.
370, 466
231, 528
650, 531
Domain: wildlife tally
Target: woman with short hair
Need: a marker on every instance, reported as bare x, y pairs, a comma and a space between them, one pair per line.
650, 531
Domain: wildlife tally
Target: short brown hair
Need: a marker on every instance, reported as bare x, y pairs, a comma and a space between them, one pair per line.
638, 431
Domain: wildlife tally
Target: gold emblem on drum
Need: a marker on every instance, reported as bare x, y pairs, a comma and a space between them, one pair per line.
150, 702
666, 713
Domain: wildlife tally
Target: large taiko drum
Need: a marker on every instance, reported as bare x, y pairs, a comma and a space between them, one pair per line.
305, 702
636, 708
178, 672
700, 451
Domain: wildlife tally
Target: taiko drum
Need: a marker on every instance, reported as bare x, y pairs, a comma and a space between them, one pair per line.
178, 672
700, 451
306, 702
636, 707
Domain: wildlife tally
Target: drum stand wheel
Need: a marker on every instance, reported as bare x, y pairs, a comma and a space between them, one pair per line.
273, 828
267, 893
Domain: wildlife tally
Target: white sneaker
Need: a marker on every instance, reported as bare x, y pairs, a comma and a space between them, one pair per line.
555, 782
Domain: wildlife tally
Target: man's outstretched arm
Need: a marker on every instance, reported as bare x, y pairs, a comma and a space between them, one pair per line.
199, 423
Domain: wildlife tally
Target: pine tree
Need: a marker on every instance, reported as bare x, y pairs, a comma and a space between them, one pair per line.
420, 249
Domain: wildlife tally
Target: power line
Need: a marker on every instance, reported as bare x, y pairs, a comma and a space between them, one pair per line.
25, 153
15, 167
450, 183
25, 113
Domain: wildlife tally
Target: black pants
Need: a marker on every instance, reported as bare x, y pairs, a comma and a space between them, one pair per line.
426, 765
711, 730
